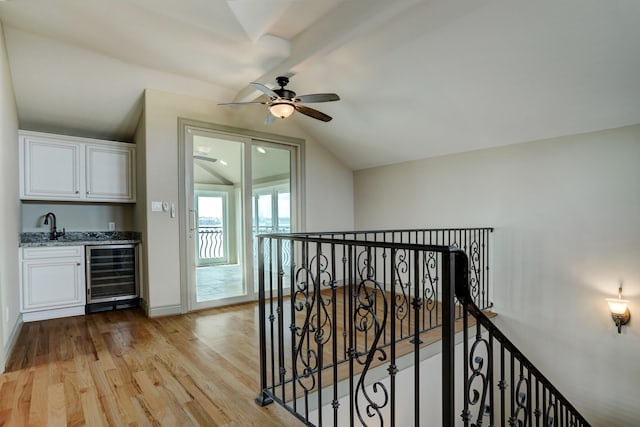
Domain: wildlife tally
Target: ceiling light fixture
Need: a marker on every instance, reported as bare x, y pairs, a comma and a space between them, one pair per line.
281, 109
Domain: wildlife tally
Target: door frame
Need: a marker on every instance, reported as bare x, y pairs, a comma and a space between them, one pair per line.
185, 171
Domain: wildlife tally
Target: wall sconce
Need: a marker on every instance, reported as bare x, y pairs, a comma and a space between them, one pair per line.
619, 310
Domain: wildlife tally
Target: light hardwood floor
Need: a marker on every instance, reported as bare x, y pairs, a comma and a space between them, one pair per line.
123, 369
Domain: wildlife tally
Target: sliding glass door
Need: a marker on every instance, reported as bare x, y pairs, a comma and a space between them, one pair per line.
237, 188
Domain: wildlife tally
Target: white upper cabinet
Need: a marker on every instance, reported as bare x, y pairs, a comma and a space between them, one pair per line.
109, 172
51, 168
57, 167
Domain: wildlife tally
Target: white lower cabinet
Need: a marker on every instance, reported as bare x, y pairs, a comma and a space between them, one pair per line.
53, 282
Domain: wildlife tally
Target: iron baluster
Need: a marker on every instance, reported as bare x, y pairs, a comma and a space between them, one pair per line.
335, 404
502, 384
280, 312
417, 305
263, 398
466, 413
393, 369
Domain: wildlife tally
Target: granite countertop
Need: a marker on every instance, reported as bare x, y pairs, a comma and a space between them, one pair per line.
73, 238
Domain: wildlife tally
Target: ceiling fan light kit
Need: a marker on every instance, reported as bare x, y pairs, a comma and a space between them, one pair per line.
281, 109
283, 102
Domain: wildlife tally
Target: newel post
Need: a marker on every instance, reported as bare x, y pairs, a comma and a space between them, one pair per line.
454, 278
263, 399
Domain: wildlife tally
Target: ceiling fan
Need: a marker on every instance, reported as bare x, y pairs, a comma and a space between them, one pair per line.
283, 102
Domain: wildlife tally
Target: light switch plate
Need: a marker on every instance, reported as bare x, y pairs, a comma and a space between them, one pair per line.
156, 206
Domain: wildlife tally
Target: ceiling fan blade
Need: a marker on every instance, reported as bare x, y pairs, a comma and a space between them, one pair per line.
264, 89
235, 104
317, 97
269, 119
312, 113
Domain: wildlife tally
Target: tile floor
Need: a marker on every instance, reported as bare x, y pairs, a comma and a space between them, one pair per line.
219, 281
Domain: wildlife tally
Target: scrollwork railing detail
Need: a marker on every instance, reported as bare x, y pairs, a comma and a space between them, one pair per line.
317, 321
366, 319
474, 270
430, 281
521, 404
401, 283
480, 374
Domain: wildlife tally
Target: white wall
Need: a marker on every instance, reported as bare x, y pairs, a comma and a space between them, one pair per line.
567, 219
329, 184
9, 208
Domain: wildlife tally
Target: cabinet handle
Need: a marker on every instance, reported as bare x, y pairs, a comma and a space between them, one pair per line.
78, 264
77, 192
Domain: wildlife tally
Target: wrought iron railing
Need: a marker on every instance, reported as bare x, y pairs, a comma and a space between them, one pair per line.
211, 239
210, 242
501, 386
362, 305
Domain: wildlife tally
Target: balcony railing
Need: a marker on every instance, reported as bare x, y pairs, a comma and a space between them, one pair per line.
334, 349
210, 242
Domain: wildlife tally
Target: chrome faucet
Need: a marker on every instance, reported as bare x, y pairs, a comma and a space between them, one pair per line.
53, 234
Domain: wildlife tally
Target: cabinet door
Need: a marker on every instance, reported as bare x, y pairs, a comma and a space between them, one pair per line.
52, 283
110, 173
51, 169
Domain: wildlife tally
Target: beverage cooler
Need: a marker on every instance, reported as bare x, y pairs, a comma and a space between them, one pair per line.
111, 277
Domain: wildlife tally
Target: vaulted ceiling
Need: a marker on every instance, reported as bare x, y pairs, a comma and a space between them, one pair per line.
416, 78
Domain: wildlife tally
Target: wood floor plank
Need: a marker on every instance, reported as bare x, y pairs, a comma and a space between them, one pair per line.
152, 400
218, 417
108, 405
24, 392
7, 392
73, 402
93, 414
56, 412
122, 391
39, 396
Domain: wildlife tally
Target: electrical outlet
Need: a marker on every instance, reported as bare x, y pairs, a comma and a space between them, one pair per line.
112, 226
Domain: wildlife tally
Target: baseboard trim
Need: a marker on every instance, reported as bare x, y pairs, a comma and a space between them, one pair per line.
144, 306
11, 342
33, 316
166, 310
